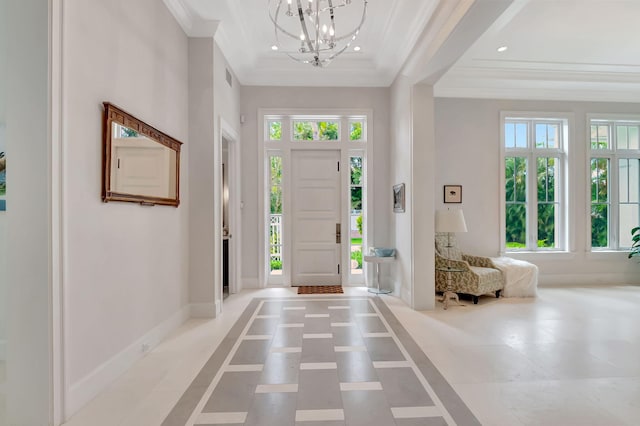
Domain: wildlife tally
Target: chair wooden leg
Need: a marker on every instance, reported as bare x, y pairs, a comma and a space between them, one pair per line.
475, 300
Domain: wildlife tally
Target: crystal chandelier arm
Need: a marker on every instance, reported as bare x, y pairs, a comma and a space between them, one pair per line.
303, 24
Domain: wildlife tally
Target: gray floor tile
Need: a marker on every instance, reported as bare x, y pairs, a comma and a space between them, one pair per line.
272, 409
332, 423
318, 390
403, 388
317, 325
425, 421
287, 338
281, 368
263, 326
318, 350
347, 336
251, 352
383, 349
367, 408
271, 308
341, 315
355, 367
318, 307
361, 306
289, 317
234, 392
371, 325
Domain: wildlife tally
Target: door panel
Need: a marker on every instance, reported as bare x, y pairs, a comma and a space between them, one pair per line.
316, 211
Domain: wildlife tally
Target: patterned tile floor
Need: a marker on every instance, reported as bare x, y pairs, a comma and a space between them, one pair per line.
319, 362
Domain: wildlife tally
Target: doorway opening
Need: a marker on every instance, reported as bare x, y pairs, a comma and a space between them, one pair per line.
315, 198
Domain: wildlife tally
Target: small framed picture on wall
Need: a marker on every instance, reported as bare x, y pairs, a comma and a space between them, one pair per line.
453, 193
398, 198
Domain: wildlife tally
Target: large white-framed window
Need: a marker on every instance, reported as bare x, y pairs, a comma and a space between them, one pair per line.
614, 180
533, 178
283, 131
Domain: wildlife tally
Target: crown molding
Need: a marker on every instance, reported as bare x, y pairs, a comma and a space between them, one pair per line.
192, 25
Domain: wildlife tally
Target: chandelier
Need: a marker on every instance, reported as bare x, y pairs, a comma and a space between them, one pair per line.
309, 31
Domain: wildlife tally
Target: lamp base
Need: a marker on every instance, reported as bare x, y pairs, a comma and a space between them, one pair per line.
448, 296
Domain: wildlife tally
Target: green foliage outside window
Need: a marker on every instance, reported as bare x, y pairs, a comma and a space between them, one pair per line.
355, 133
275, 130
599, 202
516, 207
315, 130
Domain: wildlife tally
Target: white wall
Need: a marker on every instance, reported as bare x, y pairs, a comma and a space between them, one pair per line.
211, 100
468, 153
254, 97
28, 226
125, 266
201, 177
401, 173
412, 163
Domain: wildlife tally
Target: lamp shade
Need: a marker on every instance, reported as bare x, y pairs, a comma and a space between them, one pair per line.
450, 221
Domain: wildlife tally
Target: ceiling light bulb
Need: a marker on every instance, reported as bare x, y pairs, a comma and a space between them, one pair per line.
502, 49
357, 48
274, 47
302, 37
324, 28
289, 1
332, 31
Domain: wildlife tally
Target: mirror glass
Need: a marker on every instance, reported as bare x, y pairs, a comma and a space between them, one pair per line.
141, 163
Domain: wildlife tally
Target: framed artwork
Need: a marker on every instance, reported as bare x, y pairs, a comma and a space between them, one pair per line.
3, 171
398, 198
453, 193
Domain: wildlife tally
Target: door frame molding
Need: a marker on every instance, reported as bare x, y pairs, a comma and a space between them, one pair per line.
235, 204
284, 147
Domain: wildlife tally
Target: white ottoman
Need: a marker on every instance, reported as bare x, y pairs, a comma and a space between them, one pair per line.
520, 277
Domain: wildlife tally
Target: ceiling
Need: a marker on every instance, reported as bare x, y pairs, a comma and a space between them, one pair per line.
557, 49
245, 34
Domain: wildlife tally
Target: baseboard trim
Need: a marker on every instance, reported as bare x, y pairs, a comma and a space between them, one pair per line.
87, 388
405, 294
203, 310
580, 280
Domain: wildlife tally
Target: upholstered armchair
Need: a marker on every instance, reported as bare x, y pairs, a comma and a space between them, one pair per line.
479, 274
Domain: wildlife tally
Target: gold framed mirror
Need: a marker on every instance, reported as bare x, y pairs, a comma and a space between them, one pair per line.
140, 164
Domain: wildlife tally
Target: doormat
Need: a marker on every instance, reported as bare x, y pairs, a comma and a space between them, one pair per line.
320, 289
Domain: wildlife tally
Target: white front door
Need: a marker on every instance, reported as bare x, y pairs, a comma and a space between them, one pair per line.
316, 217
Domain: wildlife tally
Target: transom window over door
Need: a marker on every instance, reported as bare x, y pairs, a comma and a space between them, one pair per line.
302, 154
614, 160
534, 178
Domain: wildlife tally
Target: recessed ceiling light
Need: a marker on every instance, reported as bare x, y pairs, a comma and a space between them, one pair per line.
274, 47
357, 48
502, 49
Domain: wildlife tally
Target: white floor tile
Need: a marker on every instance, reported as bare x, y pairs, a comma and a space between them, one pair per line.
288, 387
318, 366
317, 336
350, 348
